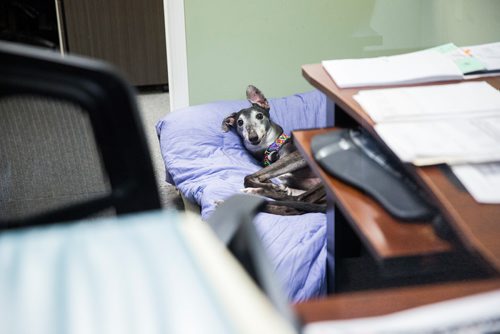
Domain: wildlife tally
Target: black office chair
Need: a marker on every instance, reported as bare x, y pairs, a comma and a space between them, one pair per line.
71, 141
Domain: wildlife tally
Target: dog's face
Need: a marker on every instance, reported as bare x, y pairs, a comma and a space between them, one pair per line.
252, 125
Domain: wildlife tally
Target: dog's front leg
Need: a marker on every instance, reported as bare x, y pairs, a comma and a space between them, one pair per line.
261, 179
316, 194
290, 208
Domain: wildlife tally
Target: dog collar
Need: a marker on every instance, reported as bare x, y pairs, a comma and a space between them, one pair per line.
274, 147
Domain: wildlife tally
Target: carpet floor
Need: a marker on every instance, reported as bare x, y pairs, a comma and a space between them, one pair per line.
153, 106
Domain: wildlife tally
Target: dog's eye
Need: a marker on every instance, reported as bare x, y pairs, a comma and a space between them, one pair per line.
259, 116
240, 122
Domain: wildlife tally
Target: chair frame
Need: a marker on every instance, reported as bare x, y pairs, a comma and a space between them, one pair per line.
110, 102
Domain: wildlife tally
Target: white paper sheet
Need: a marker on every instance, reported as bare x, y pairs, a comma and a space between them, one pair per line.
445, 141
488, 54
466, 99
474, 314
415, 67
481, 180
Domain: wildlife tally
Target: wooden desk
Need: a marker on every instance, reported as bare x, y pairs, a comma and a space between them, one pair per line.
381, 302
402, 251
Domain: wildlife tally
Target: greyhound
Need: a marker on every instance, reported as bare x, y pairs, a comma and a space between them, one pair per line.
300, 191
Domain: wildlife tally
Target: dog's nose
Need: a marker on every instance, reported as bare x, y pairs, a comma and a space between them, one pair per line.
253, 139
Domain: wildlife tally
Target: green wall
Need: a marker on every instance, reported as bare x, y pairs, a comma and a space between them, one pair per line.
232, 43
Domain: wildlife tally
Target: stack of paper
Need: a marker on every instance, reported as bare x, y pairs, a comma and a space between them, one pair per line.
487, 54
466, 99
437, 124
453, 124
416, 67
462, 58
481, 180
441, 63
445, 141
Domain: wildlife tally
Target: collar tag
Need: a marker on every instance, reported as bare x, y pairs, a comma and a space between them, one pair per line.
274, 147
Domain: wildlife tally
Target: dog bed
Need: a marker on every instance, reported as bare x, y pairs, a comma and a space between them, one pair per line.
207, 165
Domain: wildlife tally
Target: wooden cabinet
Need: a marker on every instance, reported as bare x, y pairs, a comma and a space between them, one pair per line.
127, 33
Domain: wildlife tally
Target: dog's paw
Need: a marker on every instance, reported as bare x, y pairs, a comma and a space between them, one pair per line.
290, 191
284, 189
252, 191
285, 178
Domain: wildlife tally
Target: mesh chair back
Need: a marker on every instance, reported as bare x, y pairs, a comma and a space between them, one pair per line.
71, 141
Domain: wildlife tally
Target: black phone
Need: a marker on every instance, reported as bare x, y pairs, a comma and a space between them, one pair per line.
355, 157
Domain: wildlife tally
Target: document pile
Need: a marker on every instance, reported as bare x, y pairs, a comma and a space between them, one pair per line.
411, 68
455, 124
444, 62
486, 54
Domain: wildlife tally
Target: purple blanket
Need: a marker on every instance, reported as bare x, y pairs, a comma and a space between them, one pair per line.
206, 165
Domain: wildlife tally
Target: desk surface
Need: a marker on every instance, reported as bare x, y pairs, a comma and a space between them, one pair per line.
477, 225
385, 236
381, 302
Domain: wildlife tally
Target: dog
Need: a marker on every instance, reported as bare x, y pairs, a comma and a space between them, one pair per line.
300, 191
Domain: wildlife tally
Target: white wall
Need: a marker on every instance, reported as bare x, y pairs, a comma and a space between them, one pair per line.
175, 34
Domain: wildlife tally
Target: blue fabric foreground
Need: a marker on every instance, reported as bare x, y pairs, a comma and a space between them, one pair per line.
207, 165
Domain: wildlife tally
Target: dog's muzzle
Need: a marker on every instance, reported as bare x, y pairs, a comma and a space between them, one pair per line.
254, 140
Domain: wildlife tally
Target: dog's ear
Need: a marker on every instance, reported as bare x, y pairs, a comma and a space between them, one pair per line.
229, 122
255, 96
